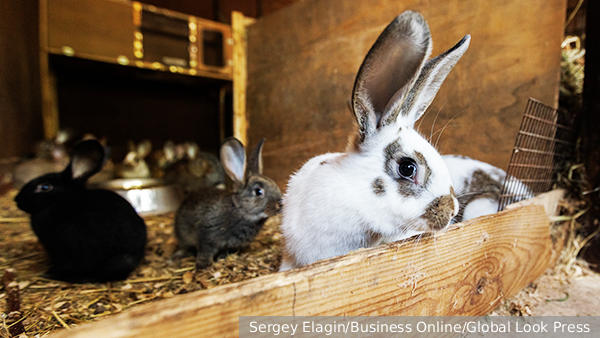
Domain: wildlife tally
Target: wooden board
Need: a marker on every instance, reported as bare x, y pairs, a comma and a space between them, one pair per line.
240, 74
466, 271
302, 61
20, 93
93, 29
109, 31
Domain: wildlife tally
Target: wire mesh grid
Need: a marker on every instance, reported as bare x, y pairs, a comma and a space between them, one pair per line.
544, 144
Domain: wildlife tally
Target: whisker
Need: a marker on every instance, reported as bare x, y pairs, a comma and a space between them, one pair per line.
435, 119
441, 130
416, 245
453, 117
422, 119
458, 187
470, 194
435, 245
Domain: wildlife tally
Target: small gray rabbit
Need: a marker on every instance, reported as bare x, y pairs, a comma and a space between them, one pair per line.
193, 169
211, 220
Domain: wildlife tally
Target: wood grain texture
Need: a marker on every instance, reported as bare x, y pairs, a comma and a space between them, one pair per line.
20, 93
468, 270
49, 99
302, 61
102, 28
240, 75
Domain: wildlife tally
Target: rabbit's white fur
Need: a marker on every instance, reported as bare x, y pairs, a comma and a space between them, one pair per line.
330, 209
339, 202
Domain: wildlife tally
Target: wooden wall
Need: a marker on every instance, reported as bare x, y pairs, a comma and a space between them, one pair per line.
220, 10
20, 108
20, 96
303, 60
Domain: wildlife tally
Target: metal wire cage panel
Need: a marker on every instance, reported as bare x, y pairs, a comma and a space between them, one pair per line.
544, 144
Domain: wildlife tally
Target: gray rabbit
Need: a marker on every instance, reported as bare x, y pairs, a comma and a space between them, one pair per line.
211, 220
193, 169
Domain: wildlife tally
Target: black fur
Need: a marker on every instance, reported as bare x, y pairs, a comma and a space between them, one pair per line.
90, 235
212, 220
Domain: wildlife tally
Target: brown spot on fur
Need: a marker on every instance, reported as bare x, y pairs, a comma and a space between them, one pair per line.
391, 150
404, 189
393, 153
373, 238
482, 185
439, 212
378, 187
424, 166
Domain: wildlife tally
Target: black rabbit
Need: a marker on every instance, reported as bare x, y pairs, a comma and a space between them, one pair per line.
90, 235
211, 220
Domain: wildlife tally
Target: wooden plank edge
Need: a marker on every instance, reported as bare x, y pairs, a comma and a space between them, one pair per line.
240, 76
468, 270
49, 107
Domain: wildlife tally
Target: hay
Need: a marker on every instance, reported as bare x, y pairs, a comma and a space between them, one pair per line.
48, 305
572, 177
572, 75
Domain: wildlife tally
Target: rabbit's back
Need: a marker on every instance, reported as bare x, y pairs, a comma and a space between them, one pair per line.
202, 208
97, 233
313, 195
210, 214
479, 186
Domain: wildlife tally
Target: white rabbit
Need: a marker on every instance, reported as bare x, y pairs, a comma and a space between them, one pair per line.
134, 164
391, 183
479, 187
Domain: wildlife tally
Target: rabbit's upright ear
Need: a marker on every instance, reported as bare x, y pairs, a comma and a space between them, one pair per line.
430, 79
86, 160
144, 148
233, 158
388, 71
255, 160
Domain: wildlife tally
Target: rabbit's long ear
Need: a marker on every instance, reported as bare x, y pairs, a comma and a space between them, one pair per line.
86, 160
233, 158
389, 70
144, 148
430, 79
255, 160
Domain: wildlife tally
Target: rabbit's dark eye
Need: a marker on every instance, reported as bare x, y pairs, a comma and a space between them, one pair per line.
43, 187
258, 192
407, 168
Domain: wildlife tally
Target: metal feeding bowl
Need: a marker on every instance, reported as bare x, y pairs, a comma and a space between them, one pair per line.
148, 196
